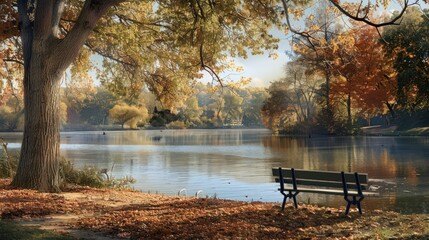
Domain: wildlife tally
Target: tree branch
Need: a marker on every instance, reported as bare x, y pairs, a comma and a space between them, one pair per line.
365, 18
91, 12
55, 22
42, 21
101, 53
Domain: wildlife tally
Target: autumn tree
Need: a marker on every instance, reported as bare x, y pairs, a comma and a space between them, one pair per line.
232, 109
125, 114
74, 95
277, 110
292, 100
95, 108
363, 75
190, 113
253, 101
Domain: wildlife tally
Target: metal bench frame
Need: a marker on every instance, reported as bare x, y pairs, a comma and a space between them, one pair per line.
348, 184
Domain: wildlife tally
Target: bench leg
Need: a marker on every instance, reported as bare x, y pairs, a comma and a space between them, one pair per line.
354, 201
292, 196
284, 202
294, 199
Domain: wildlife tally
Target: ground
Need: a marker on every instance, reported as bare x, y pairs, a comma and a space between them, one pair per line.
87, 213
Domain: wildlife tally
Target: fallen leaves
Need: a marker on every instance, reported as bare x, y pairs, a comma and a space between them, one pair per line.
134, 215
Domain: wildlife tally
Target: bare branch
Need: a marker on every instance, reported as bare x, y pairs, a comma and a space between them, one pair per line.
13, 60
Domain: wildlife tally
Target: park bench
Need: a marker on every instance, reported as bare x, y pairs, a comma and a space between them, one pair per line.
350, 185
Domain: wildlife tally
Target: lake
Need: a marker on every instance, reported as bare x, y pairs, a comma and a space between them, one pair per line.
236, 163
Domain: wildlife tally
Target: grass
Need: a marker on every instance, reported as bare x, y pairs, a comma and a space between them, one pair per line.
12, 231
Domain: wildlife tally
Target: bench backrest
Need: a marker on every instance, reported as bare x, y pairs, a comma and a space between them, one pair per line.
327, 179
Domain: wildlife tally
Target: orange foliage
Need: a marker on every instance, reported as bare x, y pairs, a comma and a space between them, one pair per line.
362, 71
8, 20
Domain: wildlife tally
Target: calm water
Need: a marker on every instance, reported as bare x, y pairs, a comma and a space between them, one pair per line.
236, 164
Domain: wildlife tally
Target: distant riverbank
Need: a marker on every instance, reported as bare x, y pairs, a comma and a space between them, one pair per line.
393, 131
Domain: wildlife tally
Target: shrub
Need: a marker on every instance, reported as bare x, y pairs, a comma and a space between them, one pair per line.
8, 163
91, 176
86, 176
176, 125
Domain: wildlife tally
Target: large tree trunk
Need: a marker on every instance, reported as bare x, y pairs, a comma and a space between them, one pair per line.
41, 141
46, 58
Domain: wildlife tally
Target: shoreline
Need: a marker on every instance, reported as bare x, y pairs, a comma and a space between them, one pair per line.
125, 214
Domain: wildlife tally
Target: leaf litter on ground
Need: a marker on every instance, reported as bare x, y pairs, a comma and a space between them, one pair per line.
135, 215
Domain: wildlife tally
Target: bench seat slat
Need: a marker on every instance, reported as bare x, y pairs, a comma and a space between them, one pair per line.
319, 183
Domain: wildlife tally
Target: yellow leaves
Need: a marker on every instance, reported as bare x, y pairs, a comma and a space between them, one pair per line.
273, 55
385, 3
297, 13
286, 30
125, 114
314, 28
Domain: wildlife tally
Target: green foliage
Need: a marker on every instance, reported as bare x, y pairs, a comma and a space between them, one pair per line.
157, 121
408, 44
96, 107
162, 118
252, 106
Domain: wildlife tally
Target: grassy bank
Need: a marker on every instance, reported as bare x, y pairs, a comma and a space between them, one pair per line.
10, 230
135, 215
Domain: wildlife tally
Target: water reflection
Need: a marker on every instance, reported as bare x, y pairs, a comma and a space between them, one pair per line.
237, 164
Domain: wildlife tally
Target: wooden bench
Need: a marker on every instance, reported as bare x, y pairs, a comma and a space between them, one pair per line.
350, 185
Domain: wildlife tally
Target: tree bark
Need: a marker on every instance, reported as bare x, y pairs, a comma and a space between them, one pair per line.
41, 140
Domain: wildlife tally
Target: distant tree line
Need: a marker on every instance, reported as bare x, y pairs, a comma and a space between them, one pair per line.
88, 107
